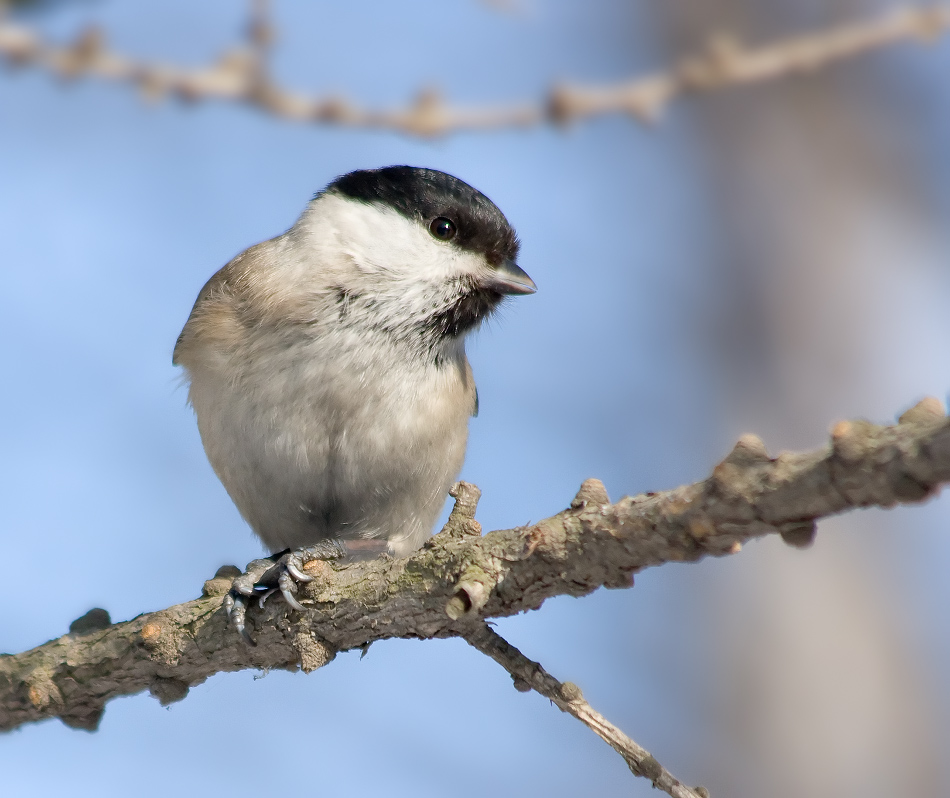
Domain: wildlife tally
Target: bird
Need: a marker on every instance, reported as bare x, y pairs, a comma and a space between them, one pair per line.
327, 368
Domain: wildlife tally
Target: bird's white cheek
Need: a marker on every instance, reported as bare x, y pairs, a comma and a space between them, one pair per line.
383, 245
404, 252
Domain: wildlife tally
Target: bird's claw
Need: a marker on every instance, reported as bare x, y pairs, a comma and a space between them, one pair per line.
282, 571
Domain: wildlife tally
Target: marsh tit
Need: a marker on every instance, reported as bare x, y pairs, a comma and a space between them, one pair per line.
327, 366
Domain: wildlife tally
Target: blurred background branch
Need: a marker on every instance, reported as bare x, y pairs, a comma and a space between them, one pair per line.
241, 75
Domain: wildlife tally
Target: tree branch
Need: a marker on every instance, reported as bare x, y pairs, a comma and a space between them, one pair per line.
459, 578
240, 75
567, 697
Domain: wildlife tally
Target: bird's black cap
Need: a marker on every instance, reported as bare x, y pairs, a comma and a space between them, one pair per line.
427, 194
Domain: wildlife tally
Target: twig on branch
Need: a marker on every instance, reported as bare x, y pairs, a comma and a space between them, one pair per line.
567, 697
460, 578
260, 37
241, 75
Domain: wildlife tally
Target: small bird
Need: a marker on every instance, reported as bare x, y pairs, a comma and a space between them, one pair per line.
328, 373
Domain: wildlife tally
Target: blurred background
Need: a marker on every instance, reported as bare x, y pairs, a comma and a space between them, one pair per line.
769, 259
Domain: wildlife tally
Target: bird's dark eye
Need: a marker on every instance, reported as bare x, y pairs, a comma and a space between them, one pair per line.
442, 228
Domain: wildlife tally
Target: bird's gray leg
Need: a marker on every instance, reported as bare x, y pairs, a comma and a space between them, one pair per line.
242, 588
281, 571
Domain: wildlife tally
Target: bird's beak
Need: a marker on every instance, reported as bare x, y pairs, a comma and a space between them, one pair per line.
509, 278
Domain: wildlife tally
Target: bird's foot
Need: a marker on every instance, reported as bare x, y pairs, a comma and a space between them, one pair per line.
279, 572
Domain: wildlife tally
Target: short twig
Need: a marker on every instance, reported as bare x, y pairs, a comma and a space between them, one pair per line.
568, 698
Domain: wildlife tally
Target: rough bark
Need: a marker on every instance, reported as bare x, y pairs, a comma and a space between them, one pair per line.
460, 578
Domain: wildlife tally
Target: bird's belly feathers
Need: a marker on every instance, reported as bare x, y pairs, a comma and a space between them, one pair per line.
355, 452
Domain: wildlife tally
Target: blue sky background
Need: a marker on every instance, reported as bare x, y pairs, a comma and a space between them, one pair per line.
112, 216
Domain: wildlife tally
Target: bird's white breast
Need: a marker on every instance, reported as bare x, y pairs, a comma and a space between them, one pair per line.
333, 430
